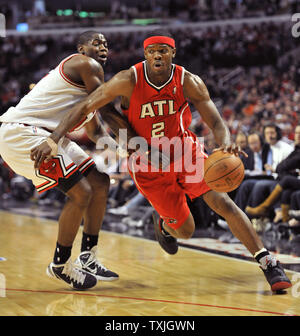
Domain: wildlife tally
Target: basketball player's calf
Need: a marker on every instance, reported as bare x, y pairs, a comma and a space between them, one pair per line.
62, 268
94, 214
93, 218
84, 198
242, 228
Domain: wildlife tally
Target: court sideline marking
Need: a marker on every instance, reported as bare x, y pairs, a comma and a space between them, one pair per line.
149, 300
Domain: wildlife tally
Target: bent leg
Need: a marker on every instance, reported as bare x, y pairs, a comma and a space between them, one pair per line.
94, 213
73, 211
185, 231
237, 220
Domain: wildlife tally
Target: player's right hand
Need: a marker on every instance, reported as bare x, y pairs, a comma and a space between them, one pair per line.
41, 153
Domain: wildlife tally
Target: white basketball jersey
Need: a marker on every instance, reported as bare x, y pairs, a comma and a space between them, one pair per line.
45, 105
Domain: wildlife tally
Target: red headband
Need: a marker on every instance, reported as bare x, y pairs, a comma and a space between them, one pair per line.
159, 39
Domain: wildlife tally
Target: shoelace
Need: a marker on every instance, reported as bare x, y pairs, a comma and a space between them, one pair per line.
74, 273
270, 264
93, 260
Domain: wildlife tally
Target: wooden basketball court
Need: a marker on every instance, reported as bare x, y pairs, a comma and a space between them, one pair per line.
152, 283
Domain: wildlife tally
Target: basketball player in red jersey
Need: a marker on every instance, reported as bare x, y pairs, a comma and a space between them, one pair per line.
155, 95
71, 170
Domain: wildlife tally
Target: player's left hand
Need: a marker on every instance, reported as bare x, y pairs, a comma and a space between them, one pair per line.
233, 149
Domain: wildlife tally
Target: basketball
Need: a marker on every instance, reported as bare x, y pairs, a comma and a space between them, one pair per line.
223, 172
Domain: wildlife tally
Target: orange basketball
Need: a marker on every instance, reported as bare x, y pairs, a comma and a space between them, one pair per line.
223, 172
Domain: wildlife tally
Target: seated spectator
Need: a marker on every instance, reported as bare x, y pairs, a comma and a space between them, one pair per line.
279, 151
259, 155
241, 140
287, 182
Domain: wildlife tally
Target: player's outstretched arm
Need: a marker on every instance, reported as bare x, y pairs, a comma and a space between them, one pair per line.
116, 122
120, 85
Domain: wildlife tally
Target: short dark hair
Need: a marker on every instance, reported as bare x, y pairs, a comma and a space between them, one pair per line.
159, 32
85, 37
277, 129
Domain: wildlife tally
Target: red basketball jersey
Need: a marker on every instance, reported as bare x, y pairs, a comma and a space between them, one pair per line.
154, 111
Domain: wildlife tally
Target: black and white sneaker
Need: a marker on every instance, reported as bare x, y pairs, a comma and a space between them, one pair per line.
276, 276
73, 276
165, 240
87, 261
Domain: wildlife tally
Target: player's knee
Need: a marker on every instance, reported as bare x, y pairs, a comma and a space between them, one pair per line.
186, 231
82, 196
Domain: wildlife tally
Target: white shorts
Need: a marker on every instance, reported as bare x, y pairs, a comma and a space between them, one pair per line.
63, 171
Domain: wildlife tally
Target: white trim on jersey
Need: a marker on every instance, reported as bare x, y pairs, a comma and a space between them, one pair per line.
154, 86
182, 75
64, 76
181, 115
135, 74
84, 165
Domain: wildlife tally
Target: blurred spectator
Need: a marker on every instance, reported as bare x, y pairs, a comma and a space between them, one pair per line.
241, 140
258, 156
279, 151
286, 183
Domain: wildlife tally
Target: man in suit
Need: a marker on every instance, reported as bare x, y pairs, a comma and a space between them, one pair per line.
279, 150
259, 155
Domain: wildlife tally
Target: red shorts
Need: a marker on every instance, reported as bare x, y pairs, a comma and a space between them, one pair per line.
166, 191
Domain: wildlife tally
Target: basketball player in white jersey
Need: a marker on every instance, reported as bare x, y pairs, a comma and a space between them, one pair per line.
71, 170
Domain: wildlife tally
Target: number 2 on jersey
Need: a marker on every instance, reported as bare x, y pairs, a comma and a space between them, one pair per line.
158, 130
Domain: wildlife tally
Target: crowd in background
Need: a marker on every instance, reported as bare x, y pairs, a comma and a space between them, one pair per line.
264, 89
209, 52
125, 11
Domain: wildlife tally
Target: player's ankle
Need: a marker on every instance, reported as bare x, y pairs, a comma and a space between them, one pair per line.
263, 257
